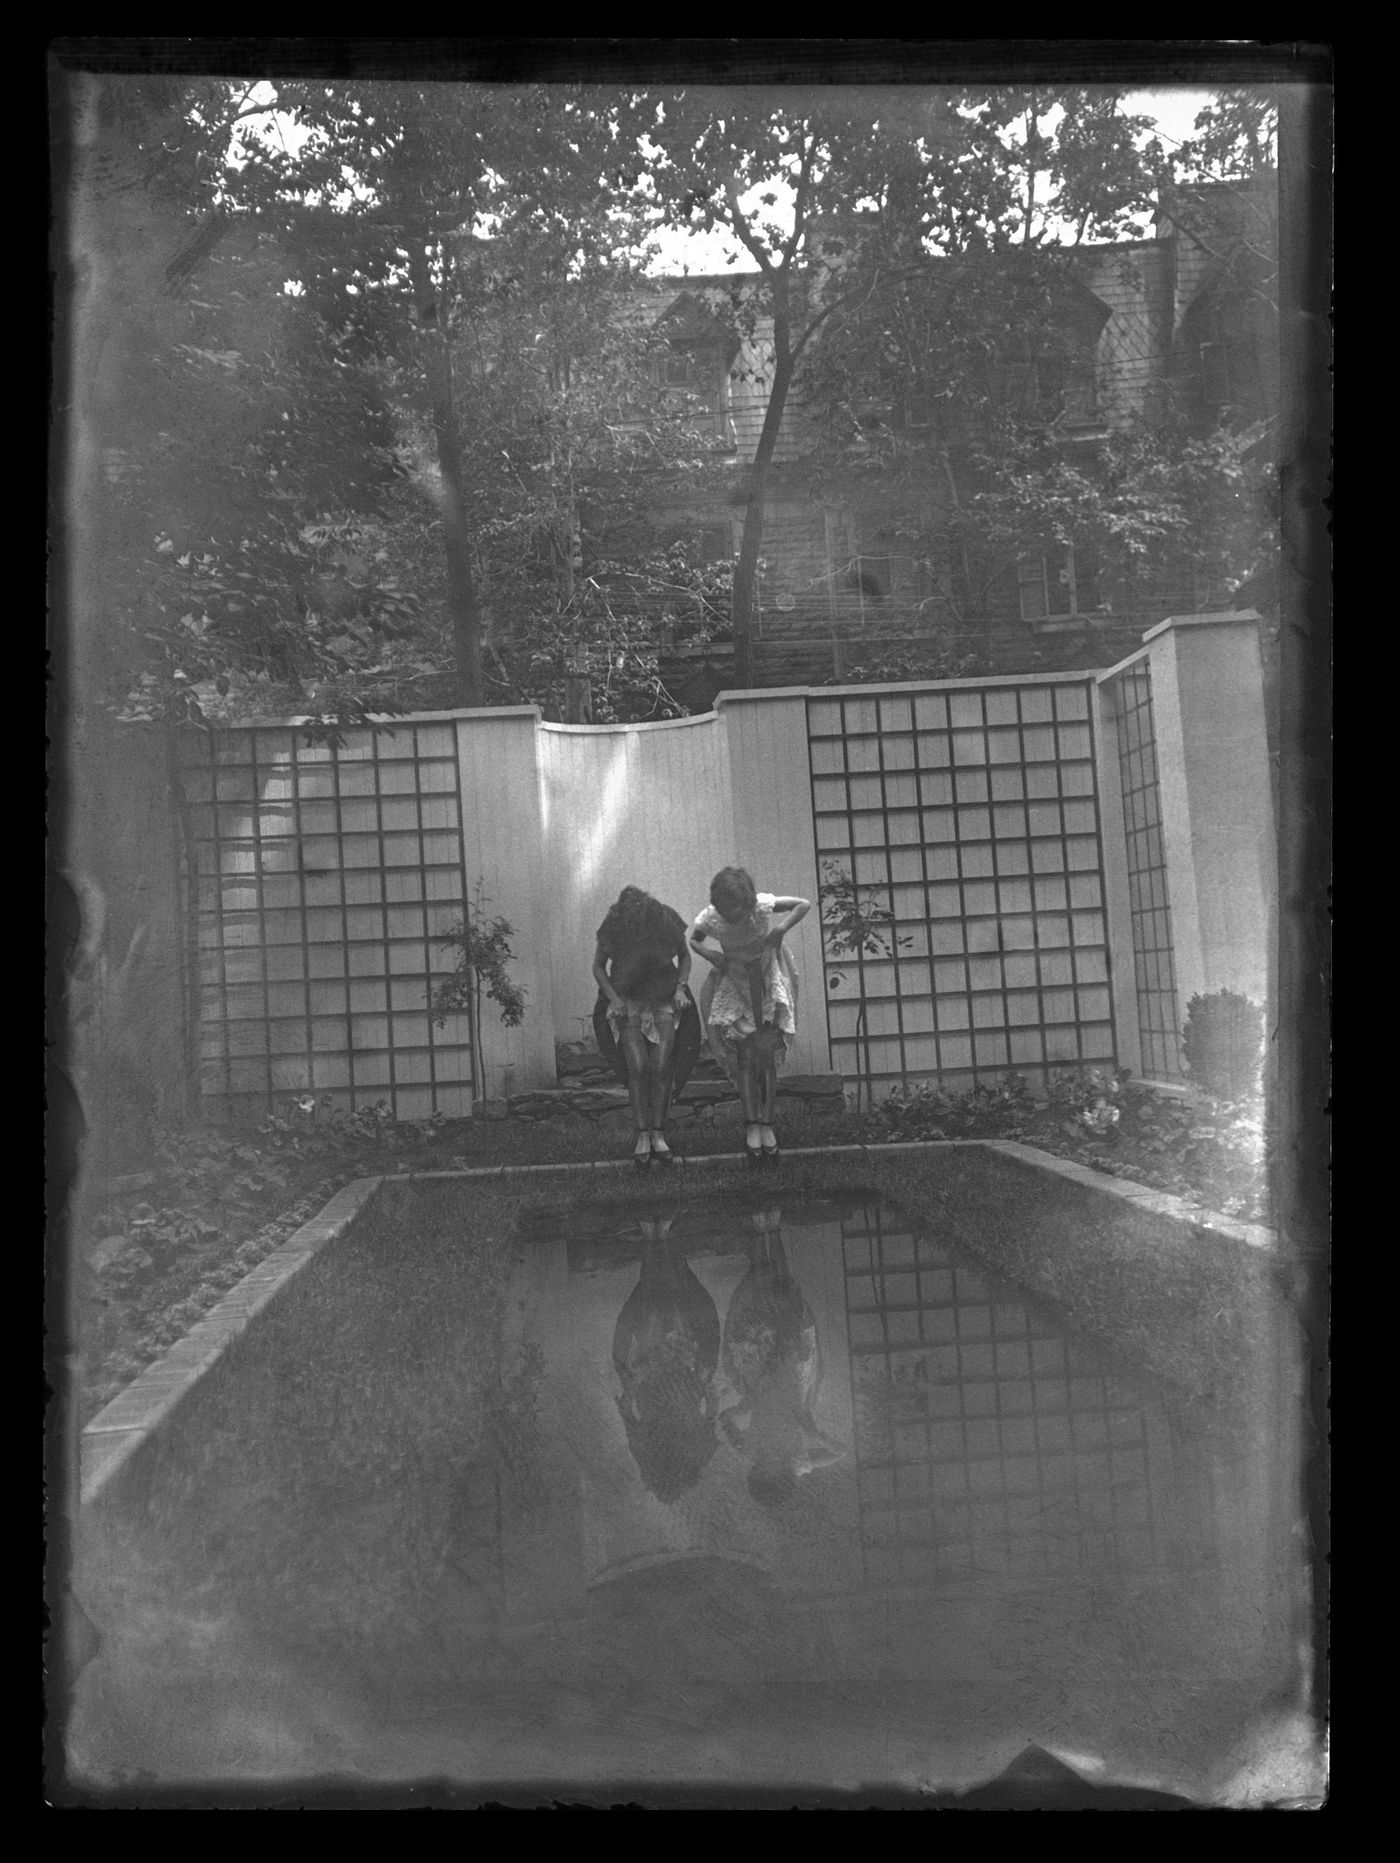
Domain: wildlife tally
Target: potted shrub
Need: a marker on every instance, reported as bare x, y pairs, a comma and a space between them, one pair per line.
1223, 1045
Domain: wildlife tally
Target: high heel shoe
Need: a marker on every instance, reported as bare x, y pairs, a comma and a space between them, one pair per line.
642, 1159
667, 1158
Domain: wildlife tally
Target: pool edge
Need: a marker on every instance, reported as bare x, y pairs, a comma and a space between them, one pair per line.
112, 1437
1142, 1196
108, 1441
1196, 1217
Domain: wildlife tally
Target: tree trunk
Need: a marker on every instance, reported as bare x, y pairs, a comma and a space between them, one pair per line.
463, 603
746, 572
566, 545
987, 622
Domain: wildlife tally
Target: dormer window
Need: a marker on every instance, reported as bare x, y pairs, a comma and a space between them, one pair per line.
689, 366
1061, 384
1230, 350
1076, 387
698, 374
1054, 381
1060, 585
693, 366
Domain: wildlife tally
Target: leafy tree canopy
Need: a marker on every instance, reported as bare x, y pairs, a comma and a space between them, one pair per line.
366, 400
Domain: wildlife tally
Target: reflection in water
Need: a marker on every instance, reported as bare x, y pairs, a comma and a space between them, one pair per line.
986, 1440
666, 1351
349, 1553
659, 1427
772, 1357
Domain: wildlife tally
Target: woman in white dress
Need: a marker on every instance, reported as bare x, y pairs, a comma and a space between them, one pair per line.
773, 1362
749, 1001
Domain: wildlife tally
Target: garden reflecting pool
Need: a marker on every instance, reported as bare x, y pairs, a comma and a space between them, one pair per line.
750, 1491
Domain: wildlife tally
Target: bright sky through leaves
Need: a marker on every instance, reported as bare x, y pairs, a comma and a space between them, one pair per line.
1174, 111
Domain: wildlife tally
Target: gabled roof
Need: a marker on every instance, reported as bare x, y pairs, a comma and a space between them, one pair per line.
1078, 297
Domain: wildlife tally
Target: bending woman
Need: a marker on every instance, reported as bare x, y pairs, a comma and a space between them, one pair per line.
749, 1002
642, 967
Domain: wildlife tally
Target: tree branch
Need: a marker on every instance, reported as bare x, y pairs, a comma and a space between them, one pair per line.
847, 298
1032, 144
252, 110
742, 231
802, 194
1190, 232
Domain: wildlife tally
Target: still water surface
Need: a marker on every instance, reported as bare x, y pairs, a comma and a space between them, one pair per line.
754, 1492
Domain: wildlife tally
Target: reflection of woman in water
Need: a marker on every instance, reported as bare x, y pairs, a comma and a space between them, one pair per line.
666, 1352
646, 1022
773, 1360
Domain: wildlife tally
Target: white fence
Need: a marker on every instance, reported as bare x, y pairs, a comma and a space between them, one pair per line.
996, 819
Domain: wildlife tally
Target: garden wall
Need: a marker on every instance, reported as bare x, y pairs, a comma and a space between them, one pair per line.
1196, 856
117, 922
1058, 861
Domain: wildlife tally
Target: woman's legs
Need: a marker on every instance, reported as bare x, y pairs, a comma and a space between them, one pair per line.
749, 980
762, 1062
634, 1046
780, 1009
740, 1062
767, 1090
765, 1070
657, 1094
749, 1098
750, 1086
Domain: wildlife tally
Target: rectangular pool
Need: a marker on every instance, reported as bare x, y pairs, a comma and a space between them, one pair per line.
725, 1488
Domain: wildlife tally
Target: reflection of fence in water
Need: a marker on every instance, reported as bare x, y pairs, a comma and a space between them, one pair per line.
984, 1438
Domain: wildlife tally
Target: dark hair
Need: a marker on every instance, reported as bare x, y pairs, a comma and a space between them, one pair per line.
669, 1429
635, 917
772, 1487
732, 891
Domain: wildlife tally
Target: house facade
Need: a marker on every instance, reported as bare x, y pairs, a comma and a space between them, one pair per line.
1182, 321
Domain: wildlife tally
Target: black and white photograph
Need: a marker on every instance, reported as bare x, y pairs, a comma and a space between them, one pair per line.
688, 952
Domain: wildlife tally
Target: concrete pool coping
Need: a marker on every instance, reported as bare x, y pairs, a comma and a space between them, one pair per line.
117, 1431
113, 1436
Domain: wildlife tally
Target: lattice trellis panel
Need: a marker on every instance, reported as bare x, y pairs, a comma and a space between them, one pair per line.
1159, 1017
321, 880
973, 816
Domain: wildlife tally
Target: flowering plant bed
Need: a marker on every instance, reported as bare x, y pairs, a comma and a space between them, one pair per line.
1211, 1152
